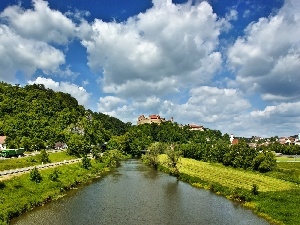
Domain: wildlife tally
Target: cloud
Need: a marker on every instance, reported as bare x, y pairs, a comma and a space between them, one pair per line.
109, 103
167, 42
267, 58
206, 106
75, 91
40, 23
211, 106
275, 120
26, 55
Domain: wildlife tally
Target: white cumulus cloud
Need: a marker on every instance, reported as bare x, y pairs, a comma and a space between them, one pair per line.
167, 42
75, 91
267, 58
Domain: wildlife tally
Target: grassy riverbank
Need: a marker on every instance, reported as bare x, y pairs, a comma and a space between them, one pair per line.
28, 161
20, 194
277, 199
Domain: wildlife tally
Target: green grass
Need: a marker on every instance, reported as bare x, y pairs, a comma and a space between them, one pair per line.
19, 194
278, 196
286, 159
288, 171
14, 163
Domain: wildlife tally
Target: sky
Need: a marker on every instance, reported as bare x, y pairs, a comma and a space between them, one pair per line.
228, 65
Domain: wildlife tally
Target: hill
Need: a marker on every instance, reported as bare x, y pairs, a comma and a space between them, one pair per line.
35, 117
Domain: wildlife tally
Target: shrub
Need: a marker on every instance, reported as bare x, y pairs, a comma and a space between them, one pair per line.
86, 162
54, 175
254, 189
264, 162
35, 175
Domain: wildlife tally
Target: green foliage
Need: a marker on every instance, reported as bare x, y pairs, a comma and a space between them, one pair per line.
35, 175
151, 157
78, 145
44, 156
111, 157
264, 162
174, 155
86, 162
34, 117
54, 175
254, 189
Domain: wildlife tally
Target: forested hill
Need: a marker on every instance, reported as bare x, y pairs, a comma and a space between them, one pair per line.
36, 117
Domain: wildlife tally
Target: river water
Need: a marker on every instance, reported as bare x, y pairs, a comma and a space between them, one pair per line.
135, 194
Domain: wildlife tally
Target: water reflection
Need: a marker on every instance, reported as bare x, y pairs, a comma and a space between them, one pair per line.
137, 194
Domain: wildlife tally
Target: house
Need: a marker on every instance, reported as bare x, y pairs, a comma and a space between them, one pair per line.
196, 127
150, 119
287, 140
2, 142
60, 145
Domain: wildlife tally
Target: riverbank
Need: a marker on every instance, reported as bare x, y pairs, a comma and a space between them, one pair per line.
20, 194
274, 199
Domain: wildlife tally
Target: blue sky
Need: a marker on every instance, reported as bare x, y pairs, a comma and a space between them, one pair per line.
230, 65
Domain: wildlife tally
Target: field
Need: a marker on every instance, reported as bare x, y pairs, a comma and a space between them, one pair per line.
288, 159
278, 196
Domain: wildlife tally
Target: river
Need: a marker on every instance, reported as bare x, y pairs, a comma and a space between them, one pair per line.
136, 194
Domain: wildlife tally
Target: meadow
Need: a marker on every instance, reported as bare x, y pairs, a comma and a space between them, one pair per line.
274, 195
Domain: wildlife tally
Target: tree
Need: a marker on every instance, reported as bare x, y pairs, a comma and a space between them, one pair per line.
44, 156
77, 145
174, 155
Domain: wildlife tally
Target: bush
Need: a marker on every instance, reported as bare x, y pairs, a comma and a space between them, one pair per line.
264, 162
86, 162
35, 175
54, 175
254, 189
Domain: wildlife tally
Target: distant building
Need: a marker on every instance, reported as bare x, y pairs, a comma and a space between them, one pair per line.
196, 127
287, 140
233, 141
150, 119
2, 142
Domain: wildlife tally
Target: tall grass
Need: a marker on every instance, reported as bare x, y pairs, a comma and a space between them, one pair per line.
267, 194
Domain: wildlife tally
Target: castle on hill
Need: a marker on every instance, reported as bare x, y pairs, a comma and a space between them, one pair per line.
151, 119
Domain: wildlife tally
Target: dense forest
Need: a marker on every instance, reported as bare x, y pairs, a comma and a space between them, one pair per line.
34, 117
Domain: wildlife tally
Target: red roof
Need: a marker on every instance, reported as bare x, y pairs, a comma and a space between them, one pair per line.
154, 117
